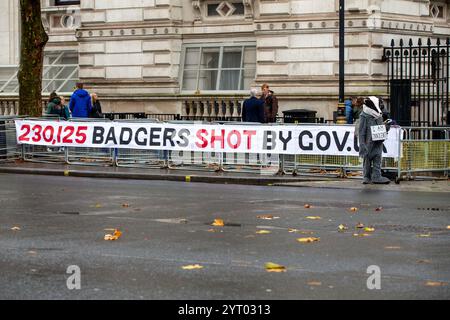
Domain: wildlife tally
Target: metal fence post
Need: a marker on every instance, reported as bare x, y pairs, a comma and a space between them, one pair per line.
3, 149
400, 154
446, 152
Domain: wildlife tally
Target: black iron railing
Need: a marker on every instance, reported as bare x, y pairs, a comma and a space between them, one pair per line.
418, 81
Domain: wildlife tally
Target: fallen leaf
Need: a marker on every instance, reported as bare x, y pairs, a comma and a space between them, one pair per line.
125, 205
115, 236
424, 235
434, 284
98, 205
307, 206
314, 283
192, 267
267, 217
218, 223
273, 267
393, 248
360, 225
263, 232
342, 228
448, 227
308, 240
361, 234
353, 209
369, 229
379, 209
424, 261
314, 218
300, 231
15, 229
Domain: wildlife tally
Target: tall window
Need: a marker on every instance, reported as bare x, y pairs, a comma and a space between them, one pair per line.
218, 67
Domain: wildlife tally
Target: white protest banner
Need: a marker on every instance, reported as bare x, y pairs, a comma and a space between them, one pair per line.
283, 139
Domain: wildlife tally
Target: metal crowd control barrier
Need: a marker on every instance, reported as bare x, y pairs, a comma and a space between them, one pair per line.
89, 156
9, 150
263, 164
138, 158
425, 149
425, 152
193, 160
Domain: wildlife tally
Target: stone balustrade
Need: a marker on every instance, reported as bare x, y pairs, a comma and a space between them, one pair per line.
10, 106
212, 109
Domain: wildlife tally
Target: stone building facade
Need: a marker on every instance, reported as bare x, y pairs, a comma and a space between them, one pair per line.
156, 56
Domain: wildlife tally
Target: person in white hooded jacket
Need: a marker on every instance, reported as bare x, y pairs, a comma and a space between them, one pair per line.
370, 146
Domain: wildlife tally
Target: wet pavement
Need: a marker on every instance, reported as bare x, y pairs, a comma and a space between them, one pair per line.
166, 225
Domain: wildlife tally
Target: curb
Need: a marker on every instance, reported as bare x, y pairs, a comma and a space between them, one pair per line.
260, 181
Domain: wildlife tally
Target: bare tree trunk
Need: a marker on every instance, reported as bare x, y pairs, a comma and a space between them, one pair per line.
33, 40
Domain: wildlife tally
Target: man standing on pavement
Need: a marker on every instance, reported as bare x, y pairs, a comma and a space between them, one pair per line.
253, 108
80, 103
270, 104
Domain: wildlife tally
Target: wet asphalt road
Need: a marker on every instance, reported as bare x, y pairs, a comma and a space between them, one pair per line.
165, 226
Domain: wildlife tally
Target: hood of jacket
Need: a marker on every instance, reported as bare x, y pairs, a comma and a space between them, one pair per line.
81, 93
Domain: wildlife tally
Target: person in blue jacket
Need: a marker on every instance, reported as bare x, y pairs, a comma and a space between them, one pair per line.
349, 110
253, 108
80, 103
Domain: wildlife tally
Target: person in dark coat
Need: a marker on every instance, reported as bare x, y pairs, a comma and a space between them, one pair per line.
80, 103
96, 107
253, 108
270, 104
371, 151
56, 107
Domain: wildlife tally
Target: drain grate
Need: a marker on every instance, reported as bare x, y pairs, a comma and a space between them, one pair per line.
433, 209
407, 228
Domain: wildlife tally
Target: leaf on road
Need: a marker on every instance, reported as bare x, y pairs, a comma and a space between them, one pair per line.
218, 223
393, 248
435, 284
314, 283
424, 261
448, 227
273, 267
307, 206
427, 235
314, 218
192, 267
369, 229
353, 209
361, 234
308, 240
115, 236
125, 205
300, 231
379, 209
263, 232
267, 217
342, 228
15, 229
360, 225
